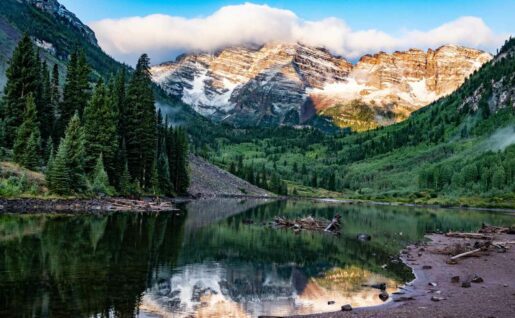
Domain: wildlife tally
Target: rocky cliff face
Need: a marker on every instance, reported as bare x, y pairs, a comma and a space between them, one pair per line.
289, 83
59, 11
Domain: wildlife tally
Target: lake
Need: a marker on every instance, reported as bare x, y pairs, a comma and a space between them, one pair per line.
207, 261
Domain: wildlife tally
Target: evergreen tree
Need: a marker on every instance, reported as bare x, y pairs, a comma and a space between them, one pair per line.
55, 99
141, 124
45, 109
73, 144
178, 159
22, 81
58, 174
154, 179
49, 149
163, 172
100, 131
125, 181
49, 167
76, 89
100, 182
32, 158
26, 144
118, 94
54, 87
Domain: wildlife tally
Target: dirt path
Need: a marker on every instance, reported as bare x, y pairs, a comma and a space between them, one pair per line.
494, 297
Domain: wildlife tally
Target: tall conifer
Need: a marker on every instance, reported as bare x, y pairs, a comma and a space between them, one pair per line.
74, 151
76, 89
100, 131
26, 143
141, 124
22, 80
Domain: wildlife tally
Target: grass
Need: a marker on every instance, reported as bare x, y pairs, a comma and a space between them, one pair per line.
16, 181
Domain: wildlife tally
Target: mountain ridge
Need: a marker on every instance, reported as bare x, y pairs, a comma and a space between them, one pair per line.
288, 83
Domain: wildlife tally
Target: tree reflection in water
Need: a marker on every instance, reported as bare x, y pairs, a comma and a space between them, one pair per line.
208, 263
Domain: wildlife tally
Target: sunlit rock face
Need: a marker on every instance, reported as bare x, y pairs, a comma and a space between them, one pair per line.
219, 290
289, 83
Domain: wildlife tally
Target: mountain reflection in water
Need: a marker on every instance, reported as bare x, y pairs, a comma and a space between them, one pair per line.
206, 262
244, 290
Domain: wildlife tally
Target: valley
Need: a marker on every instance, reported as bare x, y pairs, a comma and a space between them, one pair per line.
165, 160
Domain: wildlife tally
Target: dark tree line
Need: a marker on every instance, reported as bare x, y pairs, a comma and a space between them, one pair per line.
104, 139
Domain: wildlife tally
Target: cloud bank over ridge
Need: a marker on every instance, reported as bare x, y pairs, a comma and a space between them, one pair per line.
164, 36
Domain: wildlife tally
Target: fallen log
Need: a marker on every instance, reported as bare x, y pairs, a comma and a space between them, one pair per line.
476, 236
466, 254
334, 225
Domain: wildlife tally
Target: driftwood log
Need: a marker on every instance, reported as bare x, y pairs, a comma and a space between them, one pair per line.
475, 236
137, 205
309, 223
466, 254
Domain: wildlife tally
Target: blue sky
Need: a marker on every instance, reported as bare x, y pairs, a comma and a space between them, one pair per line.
351, 28
390, 16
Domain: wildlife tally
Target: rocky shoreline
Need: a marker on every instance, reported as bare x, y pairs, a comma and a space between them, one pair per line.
90, 206
482, 285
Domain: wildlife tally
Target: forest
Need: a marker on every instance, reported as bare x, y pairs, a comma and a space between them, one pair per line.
88, 140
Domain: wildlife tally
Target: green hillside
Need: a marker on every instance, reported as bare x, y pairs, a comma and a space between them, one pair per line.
458, 150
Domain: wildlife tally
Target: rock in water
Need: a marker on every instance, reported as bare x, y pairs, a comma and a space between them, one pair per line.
363, 237
477, 279
455, 279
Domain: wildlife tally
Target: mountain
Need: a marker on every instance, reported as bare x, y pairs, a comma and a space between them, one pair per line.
459, 150
54, 29
282, 83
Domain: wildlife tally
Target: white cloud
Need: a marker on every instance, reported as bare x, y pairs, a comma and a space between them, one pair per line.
164, 36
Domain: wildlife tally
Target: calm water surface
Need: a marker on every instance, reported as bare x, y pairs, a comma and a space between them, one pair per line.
206, 262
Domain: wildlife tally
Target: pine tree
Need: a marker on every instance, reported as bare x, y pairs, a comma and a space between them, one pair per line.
32, 158
22, 81
118, 94
49, 149
49, 167
55, 99
100, 131
26, 144
178, 160
141, 124
100, 182
74, 149
163, 172
58, 174
45, 109
76, 90
125, 181
154, 179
